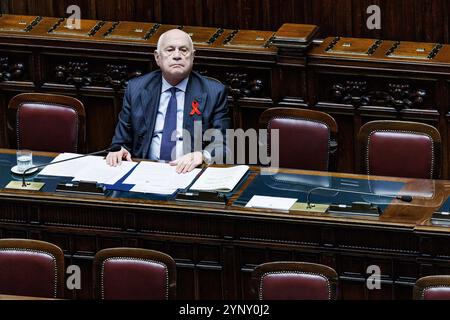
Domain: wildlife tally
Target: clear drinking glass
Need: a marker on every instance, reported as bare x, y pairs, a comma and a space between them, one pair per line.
24, 160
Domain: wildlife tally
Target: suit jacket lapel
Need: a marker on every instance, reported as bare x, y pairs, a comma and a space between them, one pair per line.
149, 105
193, 93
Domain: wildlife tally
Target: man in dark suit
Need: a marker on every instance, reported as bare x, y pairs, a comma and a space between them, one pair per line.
163, 111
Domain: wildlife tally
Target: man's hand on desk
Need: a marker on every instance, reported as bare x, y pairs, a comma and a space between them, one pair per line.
115, 158
188, 162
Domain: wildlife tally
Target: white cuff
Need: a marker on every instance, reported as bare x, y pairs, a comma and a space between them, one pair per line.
206, 157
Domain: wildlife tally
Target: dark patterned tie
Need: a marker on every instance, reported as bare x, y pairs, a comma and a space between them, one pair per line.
170, 125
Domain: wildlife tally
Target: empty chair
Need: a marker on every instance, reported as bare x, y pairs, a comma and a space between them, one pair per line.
31, 268
47, 122
307, 138
400, 149
134, 274
432, 288
294, 281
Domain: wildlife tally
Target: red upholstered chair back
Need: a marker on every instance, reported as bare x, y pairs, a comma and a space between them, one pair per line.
47, 122
400, 149
134, 274
294, 281
432, 288
31, 268
307, 138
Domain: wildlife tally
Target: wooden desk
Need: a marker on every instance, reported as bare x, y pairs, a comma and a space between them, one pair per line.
13, 297
217, 247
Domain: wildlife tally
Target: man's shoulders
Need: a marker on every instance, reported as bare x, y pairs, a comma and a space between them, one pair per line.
144, 80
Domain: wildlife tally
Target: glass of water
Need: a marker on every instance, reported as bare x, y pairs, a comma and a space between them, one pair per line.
24, 160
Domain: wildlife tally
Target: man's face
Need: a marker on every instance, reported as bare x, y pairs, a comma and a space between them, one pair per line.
176, 56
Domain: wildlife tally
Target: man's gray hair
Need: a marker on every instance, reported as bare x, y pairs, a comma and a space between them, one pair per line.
158, 46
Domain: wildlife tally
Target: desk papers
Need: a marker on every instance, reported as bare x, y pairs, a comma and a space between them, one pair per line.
89, 168
220, 179
275, 203
160, 178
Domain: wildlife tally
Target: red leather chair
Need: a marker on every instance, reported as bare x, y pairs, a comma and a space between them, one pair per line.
31, 268
432, 288
47, 122
294, 281
134, 274
307, 138
400, 149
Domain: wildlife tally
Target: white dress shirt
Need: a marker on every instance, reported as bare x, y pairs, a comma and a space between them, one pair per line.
155, 147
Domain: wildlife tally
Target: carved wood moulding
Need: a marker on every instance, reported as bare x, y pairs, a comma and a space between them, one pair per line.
10, 71
242, 85
80, 75
398, 96
239, 84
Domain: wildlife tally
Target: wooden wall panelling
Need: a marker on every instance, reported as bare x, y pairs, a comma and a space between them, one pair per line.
431, 20
19, 7
359, 19
210, 270
332, 17
116, 10
4, 6
398, 19
292, 86
415, 20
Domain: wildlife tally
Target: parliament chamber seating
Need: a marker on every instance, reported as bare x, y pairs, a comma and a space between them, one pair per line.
294, 281
307, 138
400, 149
435, 287
31, 268
47, 122
353, 80
134, 274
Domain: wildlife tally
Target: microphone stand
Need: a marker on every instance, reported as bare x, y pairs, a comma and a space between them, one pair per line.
356, 207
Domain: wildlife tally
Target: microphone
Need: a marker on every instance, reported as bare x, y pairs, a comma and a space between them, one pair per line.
404, 198
38, 185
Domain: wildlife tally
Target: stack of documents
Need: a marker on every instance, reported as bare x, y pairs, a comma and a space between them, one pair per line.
160, 178
219, 179
146, 177
89, 168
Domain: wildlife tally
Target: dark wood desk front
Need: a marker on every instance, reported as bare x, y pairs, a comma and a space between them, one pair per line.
25, 298
217, 247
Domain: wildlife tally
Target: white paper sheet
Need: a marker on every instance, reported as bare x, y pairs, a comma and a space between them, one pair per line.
275, 203
89, 168
220, 179
157, 177
100, 172
65, 169
143, 188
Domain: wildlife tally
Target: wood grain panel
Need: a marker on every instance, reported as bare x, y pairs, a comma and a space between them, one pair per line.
415, 20
333, 20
